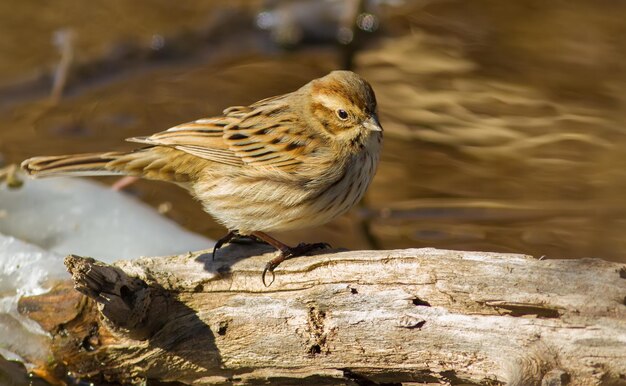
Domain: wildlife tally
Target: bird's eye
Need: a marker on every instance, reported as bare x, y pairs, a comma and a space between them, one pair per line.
342, 114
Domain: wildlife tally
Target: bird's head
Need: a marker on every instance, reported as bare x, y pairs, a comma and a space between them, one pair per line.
344, 106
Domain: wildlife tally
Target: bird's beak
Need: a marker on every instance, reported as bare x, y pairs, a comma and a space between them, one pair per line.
372, 124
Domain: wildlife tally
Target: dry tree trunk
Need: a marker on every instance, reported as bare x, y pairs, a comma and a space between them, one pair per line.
363, 317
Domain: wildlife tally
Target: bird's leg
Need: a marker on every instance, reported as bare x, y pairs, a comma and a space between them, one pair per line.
124, 182
226, 239
286, 252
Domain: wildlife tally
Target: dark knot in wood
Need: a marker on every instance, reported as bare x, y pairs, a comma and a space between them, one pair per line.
125, 301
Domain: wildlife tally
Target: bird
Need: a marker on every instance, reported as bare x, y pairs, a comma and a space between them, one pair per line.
286, 162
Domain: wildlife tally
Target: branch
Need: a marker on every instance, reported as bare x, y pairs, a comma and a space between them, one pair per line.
364, 317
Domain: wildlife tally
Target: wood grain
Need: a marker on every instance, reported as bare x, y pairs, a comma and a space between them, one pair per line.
361, 317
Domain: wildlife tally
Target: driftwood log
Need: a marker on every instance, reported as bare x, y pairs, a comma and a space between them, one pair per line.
417, 316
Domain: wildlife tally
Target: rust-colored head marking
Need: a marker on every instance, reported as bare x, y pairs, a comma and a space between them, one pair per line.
343, 101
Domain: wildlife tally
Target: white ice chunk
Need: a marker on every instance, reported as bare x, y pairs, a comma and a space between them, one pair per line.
24, 270
85, 218
48, 219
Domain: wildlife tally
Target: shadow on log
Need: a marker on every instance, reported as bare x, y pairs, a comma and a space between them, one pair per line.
356, 318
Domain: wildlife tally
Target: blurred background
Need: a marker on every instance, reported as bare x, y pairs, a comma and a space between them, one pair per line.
504, 121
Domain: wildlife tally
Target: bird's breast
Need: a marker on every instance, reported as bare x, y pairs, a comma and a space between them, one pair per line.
269, 204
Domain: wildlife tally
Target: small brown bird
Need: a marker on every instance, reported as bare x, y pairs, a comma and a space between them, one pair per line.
286, 162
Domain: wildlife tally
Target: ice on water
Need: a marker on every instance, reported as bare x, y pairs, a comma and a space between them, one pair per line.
48, 219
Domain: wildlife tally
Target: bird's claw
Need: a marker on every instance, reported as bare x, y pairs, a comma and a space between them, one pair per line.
299, 250
269, 267
226, 239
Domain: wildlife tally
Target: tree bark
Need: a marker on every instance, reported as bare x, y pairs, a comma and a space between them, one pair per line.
364, 317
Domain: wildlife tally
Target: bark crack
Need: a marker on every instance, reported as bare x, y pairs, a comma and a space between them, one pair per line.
316, 329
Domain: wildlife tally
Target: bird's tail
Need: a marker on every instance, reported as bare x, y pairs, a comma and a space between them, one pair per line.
90, 164
153, 162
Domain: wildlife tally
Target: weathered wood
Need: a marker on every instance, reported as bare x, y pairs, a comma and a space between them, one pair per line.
410, 316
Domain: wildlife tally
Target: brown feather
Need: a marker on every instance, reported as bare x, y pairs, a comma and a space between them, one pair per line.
284, 162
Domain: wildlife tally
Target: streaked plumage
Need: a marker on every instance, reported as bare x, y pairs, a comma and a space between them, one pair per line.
285, 162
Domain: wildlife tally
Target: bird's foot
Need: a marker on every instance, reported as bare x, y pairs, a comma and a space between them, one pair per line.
231, 236
304, 248
288, 253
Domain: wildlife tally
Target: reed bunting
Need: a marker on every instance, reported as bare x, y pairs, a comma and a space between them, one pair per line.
286, 162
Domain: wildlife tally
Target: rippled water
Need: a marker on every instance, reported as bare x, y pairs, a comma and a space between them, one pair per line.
504, 122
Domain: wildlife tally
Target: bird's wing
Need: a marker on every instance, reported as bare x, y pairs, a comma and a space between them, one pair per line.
202, 138
267, 134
